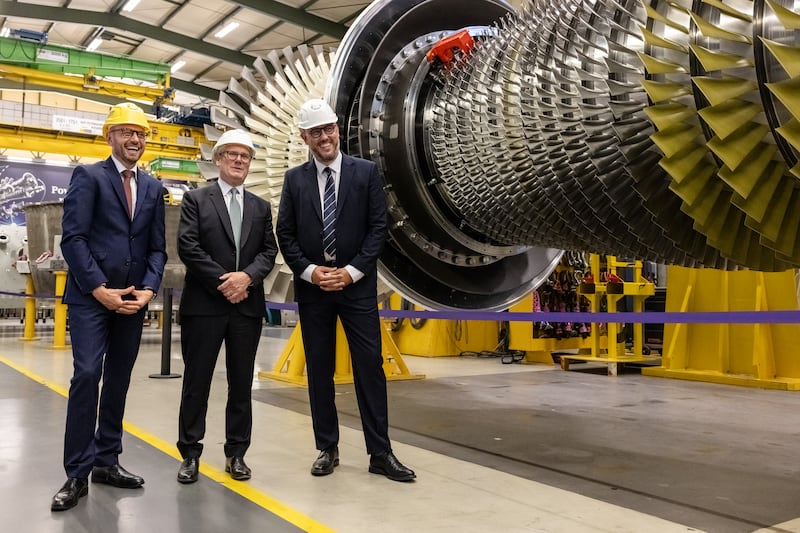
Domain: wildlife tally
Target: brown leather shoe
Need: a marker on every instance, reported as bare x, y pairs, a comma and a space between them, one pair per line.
237, 469
327, 460
387, 464
67, 497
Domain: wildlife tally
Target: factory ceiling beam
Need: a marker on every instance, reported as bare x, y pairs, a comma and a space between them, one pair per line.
113, 20
296, 16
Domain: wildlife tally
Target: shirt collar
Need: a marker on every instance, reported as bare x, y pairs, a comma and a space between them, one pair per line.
121, 167
226, 188
335, 165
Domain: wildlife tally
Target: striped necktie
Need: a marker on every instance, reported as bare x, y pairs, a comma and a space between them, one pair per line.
329, 216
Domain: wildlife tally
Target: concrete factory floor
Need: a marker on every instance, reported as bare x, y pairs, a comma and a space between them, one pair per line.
496, 447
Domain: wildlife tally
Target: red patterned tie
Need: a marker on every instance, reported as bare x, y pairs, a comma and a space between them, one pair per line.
126, 184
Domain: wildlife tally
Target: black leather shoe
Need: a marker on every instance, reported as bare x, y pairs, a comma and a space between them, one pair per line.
388, 465
328, 460
187, 473
237, 469
67, 497
116, 476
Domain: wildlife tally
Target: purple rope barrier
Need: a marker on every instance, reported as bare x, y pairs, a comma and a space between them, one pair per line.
647, 317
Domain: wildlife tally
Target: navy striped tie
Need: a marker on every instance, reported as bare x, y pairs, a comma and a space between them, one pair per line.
329, 216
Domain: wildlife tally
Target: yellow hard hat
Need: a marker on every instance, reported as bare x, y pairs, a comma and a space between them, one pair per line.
126, 113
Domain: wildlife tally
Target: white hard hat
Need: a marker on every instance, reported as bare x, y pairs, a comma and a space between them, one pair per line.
315, 112
240, 137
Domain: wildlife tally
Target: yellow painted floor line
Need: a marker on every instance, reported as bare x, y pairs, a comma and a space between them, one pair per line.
243, 489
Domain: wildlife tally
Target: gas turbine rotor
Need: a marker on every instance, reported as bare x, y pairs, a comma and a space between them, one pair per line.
383, 83
654, 130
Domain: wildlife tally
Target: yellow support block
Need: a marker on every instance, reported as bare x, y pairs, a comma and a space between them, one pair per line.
754, 355
291, 364
29, 332
60, 312
614, 353
438, 338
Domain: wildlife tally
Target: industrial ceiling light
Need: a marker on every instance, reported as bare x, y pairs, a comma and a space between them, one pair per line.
226, 30
131, 5
94, 44
177, 66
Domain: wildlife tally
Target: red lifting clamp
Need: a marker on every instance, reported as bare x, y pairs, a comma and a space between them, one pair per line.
445, 50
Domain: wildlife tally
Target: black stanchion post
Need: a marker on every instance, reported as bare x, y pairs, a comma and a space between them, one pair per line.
166, 337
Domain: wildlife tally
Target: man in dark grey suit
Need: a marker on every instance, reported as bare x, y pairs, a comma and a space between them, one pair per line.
113, 241
225, 239
331, 229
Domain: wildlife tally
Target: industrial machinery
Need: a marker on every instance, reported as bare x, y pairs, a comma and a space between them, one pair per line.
658, 130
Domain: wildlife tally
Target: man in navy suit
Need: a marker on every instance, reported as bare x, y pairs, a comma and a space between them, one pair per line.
226, 241
114, 244
331, 229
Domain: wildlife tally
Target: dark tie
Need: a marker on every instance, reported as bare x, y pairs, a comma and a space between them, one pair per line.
329, 216
126, 185
235, 212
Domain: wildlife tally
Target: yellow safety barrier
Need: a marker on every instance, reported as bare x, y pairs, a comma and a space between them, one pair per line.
441, 338
60, 312
29, 331
755, 355
291, 364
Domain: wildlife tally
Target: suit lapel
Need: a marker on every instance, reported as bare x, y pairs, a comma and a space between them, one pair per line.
141, 186
247, 218
215, 195
345, 181
116, 184
312, 188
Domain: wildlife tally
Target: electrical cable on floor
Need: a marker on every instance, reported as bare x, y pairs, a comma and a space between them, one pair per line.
506, 356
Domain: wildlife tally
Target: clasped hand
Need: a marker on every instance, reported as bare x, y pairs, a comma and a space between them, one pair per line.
128, 301
330, 278
234, 286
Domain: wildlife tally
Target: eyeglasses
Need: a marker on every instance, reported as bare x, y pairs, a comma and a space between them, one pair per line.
127, 133
233, 156
328, 129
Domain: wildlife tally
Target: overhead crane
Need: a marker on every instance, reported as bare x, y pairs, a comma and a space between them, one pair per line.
77, 70
90, 73
166, 141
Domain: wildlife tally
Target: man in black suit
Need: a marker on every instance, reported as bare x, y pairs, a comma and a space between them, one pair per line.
331, 229
225, 239
114, 244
